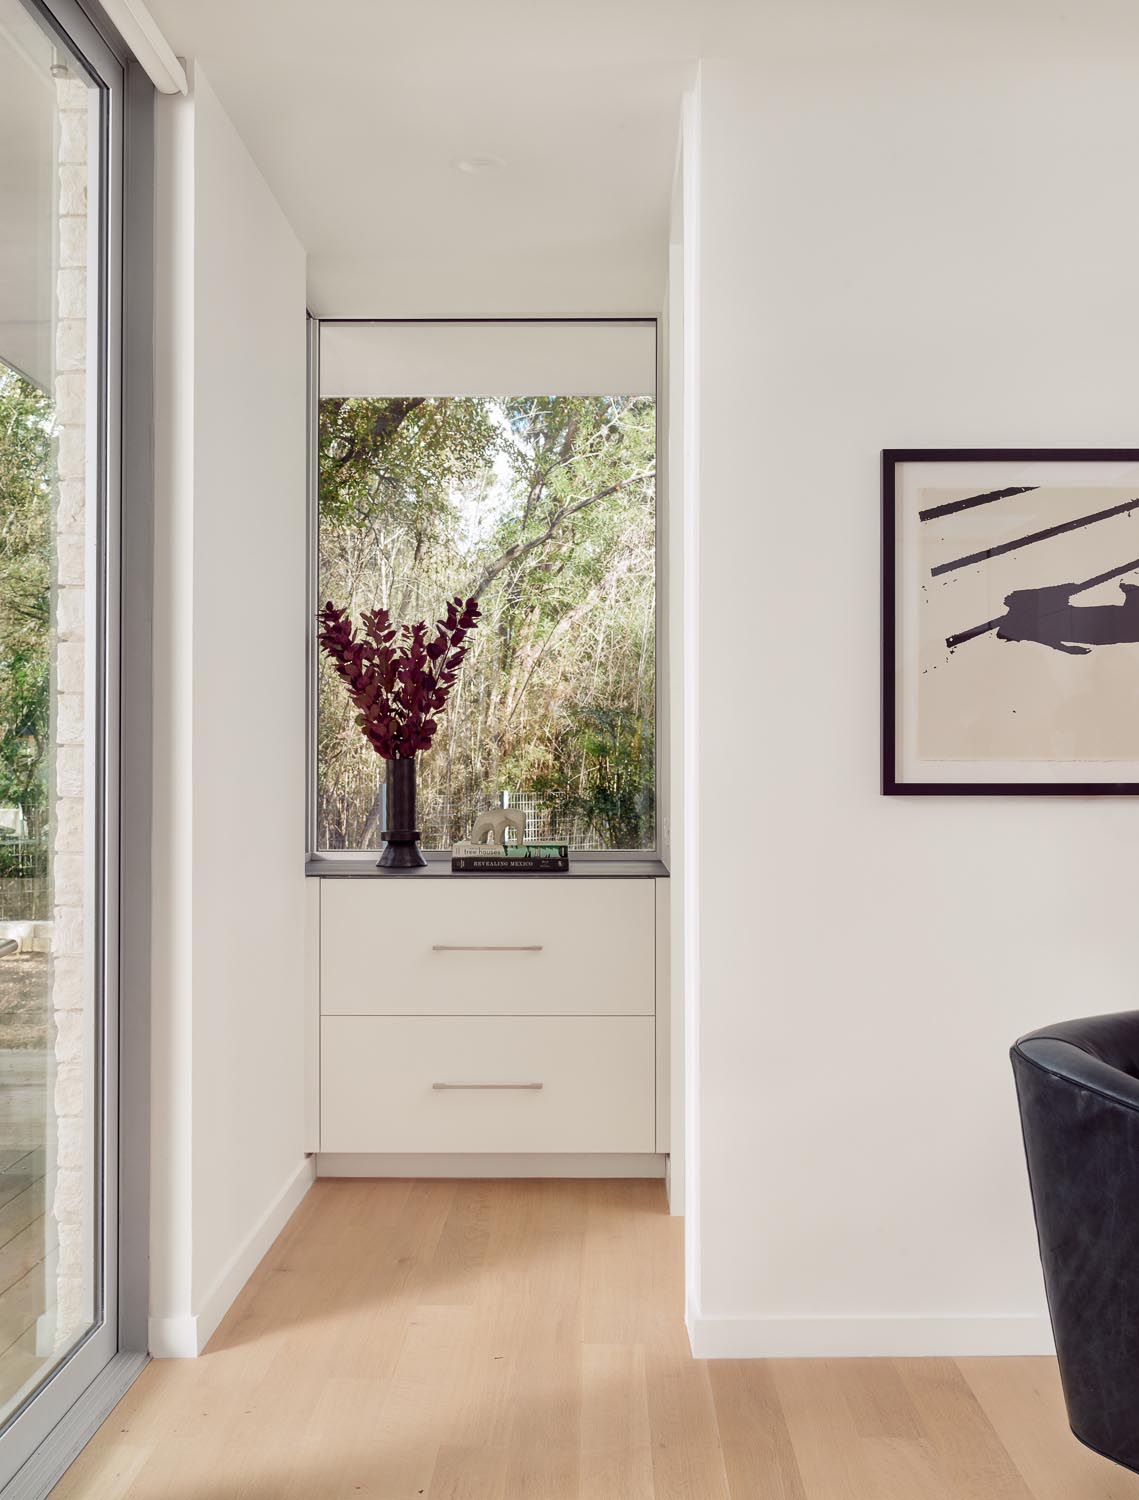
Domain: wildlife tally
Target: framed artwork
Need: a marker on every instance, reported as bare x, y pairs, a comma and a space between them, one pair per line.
1010, 621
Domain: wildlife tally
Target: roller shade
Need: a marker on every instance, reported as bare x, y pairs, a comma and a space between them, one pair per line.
488, 359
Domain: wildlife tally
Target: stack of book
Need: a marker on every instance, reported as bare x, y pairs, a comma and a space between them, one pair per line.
510, 859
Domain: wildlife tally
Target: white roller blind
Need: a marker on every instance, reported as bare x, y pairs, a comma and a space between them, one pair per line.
488, 359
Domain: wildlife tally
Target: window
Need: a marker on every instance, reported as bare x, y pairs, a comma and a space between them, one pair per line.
516, 462
60, 109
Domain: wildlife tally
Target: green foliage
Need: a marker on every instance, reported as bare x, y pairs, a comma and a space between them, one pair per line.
396, 461
27, 479
22, 861
545, 508
614, 793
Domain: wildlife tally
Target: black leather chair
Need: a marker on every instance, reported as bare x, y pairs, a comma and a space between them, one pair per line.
1078, 1088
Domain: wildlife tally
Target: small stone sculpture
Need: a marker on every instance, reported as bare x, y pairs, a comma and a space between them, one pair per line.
495, 825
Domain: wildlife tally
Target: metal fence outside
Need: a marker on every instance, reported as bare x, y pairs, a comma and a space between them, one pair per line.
25, 886
442, 821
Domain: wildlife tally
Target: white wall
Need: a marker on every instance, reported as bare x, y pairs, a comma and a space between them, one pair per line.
581, 282
891, 253
228, 1091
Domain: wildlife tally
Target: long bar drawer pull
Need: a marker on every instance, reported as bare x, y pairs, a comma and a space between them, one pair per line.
486, 947
443, 1086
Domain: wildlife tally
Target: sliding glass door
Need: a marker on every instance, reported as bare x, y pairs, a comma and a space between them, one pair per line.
60, 112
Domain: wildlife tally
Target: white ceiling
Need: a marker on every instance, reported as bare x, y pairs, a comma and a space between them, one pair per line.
356, 111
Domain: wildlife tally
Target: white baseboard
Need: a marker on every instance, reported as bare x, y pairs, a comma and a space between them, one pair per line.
818, 1338
485, 1164
173, 1338
185, 1337
45, 1334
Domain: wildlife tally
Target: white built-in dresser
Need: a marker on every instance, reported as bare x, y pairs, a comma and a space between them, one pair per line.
487, 1015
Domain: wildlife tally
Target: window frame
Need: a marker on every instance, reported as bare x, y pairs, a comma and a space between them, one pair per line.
333, 857
43, 1435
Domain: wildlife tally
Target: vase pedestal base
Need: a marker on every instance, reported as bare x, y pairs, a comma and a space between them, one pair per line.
401, 852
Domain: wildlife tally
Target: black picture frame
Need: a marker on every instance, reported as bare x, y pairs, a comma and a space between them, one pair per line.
891, 784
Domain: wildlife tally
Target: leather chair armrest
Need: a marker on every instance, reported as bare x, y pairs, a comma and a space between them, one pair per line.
1064, 1060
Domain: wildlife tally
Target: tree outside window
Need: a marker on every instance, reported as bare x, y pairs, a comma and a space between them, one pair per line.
544, 507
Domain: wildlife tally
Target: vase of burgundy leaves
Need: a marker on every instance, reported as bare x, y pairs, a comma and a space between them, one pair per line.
399, 678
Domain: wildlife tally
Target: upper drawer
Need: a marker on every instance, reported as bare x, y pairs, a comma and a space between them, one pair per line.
487, 947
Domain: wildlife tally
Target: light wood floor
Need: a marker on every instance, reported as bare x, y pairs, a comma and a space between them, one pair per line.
523, 1341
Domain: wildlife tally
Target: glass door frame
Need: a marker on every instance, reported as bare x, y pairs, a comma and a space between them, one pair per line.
50, 1426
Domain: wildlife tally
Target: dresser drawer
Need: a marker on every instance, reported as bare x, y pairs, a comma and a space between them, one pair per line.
497, 946
379, 1077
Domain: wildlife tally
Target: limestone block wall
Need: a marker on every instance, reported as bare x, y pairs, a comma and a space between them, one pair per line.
71, 1151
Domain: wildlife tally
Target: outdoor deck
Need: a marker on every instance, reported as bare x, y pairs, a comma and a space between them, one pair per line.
27, 1230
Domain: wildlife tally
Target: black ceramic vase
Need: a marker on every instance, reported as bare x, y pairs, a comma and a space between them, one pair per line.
401, 850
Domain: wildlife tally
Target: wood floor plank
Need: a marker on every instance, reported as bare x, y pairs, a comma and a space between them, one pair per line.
121, 1448
1023, 1401
832, 1459
110, 1473
759, 1457
14, 1184
877, 1399
525, 1341
630, 1252
688, 1462
969, 1452
544, 1442
904, 1469
616, 1444
461, 1251
18, 1212
534, 1473
468, 1474
26, 1250
26, 1300
485, 1388
29, 1162
177, 1433
352, 1448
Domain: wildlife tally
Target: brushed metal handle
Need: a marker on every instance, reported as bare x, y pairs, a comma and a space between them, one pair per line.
440, 1087
486, 947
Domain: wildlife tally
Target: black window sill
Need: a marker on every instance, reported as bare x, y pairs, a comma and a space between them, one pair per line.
365, 868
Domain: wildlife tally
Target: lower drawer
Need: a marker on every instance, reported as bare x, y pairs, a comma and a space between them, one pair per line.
378, 1077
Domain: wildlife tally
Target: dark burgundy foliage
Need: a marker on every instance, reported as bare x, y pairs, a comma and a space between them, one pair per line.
397, 678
